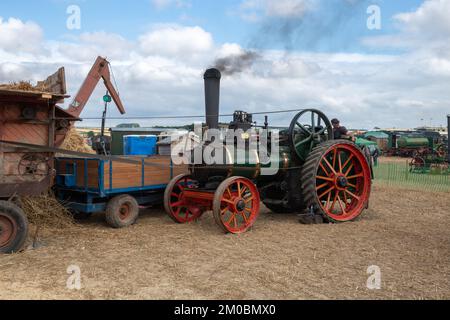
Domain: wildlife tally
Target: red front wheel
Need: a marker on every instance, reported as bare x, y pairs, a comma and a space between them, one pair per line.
177, 206
236, 205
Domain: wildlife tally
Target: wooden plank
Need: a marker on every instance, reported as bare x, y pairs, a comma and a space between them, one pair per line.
22, 131
11, 163
107, 183
93, 177
56, 83
182, 169
7, 96
126, 175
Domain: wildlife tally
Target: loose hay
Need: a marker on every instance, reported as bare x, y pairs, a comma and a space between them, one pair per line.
75, 142
23, 86
46, 211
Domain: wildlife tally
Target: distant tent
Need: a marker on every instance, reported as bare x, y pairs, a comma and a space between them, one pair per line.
379, 137
376, 135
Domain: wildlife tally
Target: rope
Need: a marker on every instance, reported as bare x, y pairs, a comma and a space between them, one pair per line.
114, 78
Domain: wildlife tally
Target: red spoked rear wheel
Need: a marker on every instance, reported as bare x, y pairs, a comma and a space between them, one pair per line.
236, 205
13, 227
177, 206
337, 180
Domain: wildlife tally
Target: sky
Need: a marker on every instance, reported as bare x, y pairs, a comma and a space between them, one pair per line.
390, 69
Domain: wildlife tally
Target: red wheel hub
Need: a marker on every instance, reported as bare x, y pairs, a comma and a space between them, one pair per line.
239, 205
124, 211
8, 230
343, 182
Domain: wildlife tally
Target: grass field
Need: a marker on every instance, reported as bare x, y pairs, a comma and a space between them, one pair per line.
395, 172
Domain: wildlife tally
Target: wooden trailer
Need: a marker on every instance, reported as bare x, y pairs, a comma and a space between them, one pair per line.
117, 186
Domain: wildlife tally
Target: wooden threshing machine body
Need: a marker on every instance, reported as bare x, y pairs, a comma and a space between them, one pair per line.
29, 118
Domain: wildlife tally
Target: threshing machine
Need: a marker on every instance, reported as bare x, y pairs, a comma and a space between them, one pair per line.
317, 175
32, 128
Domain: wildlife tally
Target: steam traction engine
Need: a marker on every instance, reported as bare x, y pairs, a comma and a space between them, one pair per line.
325, 177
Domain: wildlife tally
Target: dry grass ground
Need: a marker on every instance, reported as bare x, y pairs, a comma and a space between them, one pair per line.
405, 233
398, 160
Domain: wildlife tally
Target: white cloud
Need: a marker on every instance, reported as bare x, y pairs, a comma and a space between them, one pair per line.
230, 49
176, 41
428, 27
89, 45
431, 20
288, 8
163, 4
161, 74
17, 36
293, 68
10, 72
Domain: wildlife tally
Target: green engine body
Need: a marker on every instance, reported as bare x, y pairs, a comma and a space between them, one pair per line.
279, 190
413, 142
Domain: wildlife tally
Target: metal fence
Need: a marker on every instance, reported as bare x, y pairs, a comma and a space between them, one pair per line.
399, 175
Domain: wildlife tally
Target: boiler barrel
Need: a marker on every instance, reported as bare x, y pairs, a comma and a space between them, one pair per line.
250, 165
407, 142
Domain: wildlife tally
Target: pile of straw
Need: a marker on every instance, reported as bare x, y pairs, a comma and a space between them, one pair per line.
75, 142
45, 210
23, 86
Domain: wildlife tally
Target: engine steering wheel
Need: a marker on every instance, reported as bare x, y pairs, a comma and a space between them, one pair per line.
306, 131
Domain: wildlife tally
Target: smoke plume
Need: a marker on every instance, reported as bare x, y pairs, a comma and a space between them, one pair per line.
236, 63
313, 29
301, 27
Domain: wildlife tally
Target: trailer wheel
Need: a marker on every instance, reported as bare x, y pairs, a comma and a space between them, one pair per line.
122, 211
13, 227
336, 181
236, 205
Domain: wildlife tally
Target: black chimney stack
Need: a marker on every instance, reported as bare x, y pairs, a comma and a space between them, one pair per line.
212, 97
